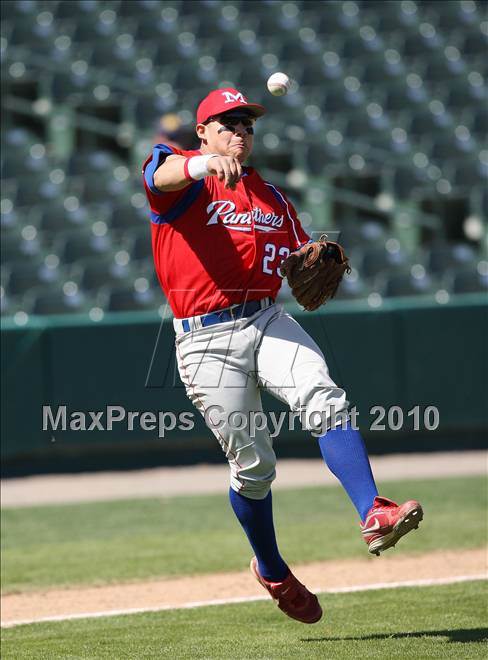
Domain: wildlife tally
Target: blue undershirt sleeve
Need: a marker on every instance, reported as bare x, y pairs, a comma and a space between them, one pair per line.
160, 153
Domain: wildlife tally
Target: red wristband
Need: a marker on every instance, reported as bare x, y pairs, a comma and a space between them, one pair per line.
187, 174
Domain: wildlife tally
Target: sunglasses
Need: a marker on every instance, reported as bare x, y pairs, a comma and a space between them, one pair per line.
230, 122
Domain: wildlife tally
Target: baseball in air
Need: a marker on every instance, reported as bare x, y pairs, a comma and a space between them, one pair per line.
278, 84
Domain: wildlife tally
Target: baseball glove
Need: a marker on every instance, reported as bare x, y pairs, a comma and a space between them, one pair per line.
314, 272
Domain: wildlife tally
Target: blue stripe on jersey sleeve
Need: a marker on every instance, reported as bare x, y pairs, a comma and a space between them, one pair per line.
160, 153
279, 196
183, 204
276, 194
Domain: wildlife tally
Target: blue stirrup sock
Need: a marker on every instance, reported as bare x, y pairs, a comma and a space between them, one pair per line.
256, 518
345, 454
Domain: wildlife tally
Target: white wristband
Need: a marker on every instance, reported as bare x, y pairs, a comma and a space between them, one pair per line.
197, 166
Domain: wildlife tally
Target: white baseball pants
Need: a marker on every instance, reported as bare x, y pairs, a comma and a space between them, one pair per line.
224, 367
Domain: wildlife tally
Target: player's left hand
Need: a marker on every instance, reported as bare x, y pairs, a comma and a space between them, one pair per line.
315, 271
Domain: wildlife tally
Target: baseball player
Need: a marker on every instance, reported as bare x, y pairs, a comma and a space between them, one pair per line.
222, 240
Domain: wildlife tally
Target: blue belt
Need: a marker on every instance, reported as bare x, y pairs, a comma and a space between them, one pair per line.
230, 313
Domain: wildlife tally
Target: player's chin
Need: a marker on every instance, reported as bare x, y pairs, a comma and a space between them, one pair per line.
239, 151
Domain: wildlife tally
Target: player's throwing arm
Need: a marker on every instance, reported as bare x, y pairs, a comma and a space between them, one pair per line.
173, 175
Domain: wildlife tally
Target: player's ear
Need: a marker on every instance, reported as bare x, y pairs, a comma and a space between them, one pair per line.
201, 131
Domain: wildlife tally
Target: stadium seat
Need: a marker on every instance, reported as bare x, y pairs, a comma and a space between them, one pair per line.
108, 270
9, 207
352, 287
480, 122
19, 139
470, 280
103, 103
12, 217
407, 181
124, 215
62, 49
73, 86
447, 255
85, 162
450, 148
463, 93
130, 299
148, 110
19, 9
155, 28
400, 96
34, 274
345, 96
131, 8
321, 155
19, 245
406, 284
378, 259
334, 18
423, 43
457, 14
77, 8
81, 244
371, 231
366, 43
425, 122
57, 217
38, 188
16, 164
140, 243
21, 81
117, 54
470, 173
441, 68
95, 26
270, 21
187, 76
363, 127
10, 305
34, 30
392, 17
393, 143
145, 268
478, 65
358, 232
348, 235
103, 187
473, 42
384, 67
145, 74
58, 302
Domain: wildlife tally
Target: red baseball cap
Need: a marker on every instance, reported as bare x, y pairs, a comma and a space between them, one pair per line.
223, 100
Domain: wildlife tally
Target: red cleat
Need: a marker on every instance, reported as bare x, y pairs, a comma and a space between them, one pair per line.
387, 522
291, 596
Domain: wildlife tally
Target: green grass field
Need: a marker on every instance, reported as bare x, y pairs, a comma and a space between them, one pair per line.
135, 539
428, 622
99, 543
108, 542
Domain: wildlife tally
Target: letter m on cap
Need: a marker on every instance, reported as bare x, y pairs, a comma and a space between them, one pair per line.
229, 97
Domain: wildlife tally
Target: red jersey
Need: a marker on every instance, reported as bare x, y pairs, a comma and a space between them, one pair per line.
214, 247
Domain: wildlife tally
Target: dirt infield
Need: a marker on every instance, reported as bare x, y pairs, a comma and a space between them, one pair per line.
177, 592
167, 481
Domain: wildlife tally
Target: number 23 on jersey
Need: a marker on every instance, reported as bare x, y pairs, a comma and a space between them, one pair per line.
270, 250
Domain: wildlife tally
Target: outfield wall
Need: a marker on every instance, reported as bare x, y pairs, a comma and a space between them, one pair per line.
403, 354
